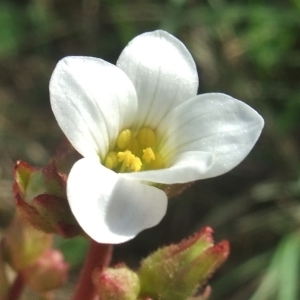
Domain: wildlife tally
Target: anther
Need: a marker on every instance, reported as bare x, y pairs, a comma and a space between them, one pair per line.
136, 164
148, 155
124, 138
111, 160
125, 157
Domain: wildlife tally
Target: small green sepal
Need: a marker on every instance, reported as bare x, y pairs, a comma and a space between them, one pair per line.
23, 244
178, 271
40, 196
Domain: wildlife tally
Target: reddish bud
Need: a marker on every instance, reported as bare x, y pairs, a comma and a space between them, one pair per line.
48, 272
40, 195
23, 244
116, 284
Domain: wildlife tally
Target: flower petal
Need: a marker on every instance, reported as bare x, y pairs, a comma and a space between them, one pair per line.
186, 167
163, 72
110, 208
215, 123
92, 101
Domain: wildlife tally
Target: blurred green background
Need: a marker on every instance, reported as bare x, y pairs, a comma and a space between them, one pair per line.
247, 49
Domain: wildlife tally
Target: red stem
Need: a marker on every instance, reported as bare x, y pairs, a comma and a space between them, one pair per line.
99, 256
16, 288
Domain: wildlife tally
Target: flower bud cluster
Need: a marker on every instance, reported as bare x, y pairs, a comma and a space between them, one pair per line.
40, 196
30, 254
173, 272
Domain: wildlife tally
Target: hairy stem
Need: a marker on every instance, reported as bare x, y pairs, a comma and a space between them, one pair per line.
99, 256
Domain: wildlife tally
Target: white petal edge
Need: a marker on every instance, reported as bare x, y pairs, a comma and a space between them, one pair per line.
185, 167
163, 72
109, 208
214, 123
92, 100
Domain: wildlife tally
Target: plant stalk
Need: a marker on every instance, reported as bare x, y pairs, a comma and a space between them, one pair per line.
99, 256
17, 287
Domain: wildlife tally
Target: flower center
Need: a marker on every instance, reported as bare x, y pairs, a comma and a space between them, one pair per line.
135, 153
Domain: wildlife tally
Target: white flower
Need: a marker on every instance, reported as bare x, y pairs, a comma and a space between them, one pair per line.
140, 124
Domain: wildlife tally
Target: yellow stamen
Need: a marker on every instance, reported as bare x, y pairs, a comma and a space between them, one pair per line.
129, 161
146, 137
134, 152
111, 160
125, 157
136, 164
148, 155
124, 138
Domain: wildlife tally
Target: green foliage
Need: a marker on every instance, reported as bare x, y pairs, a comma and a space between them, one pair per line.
11, 28
281, 280
74, 249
